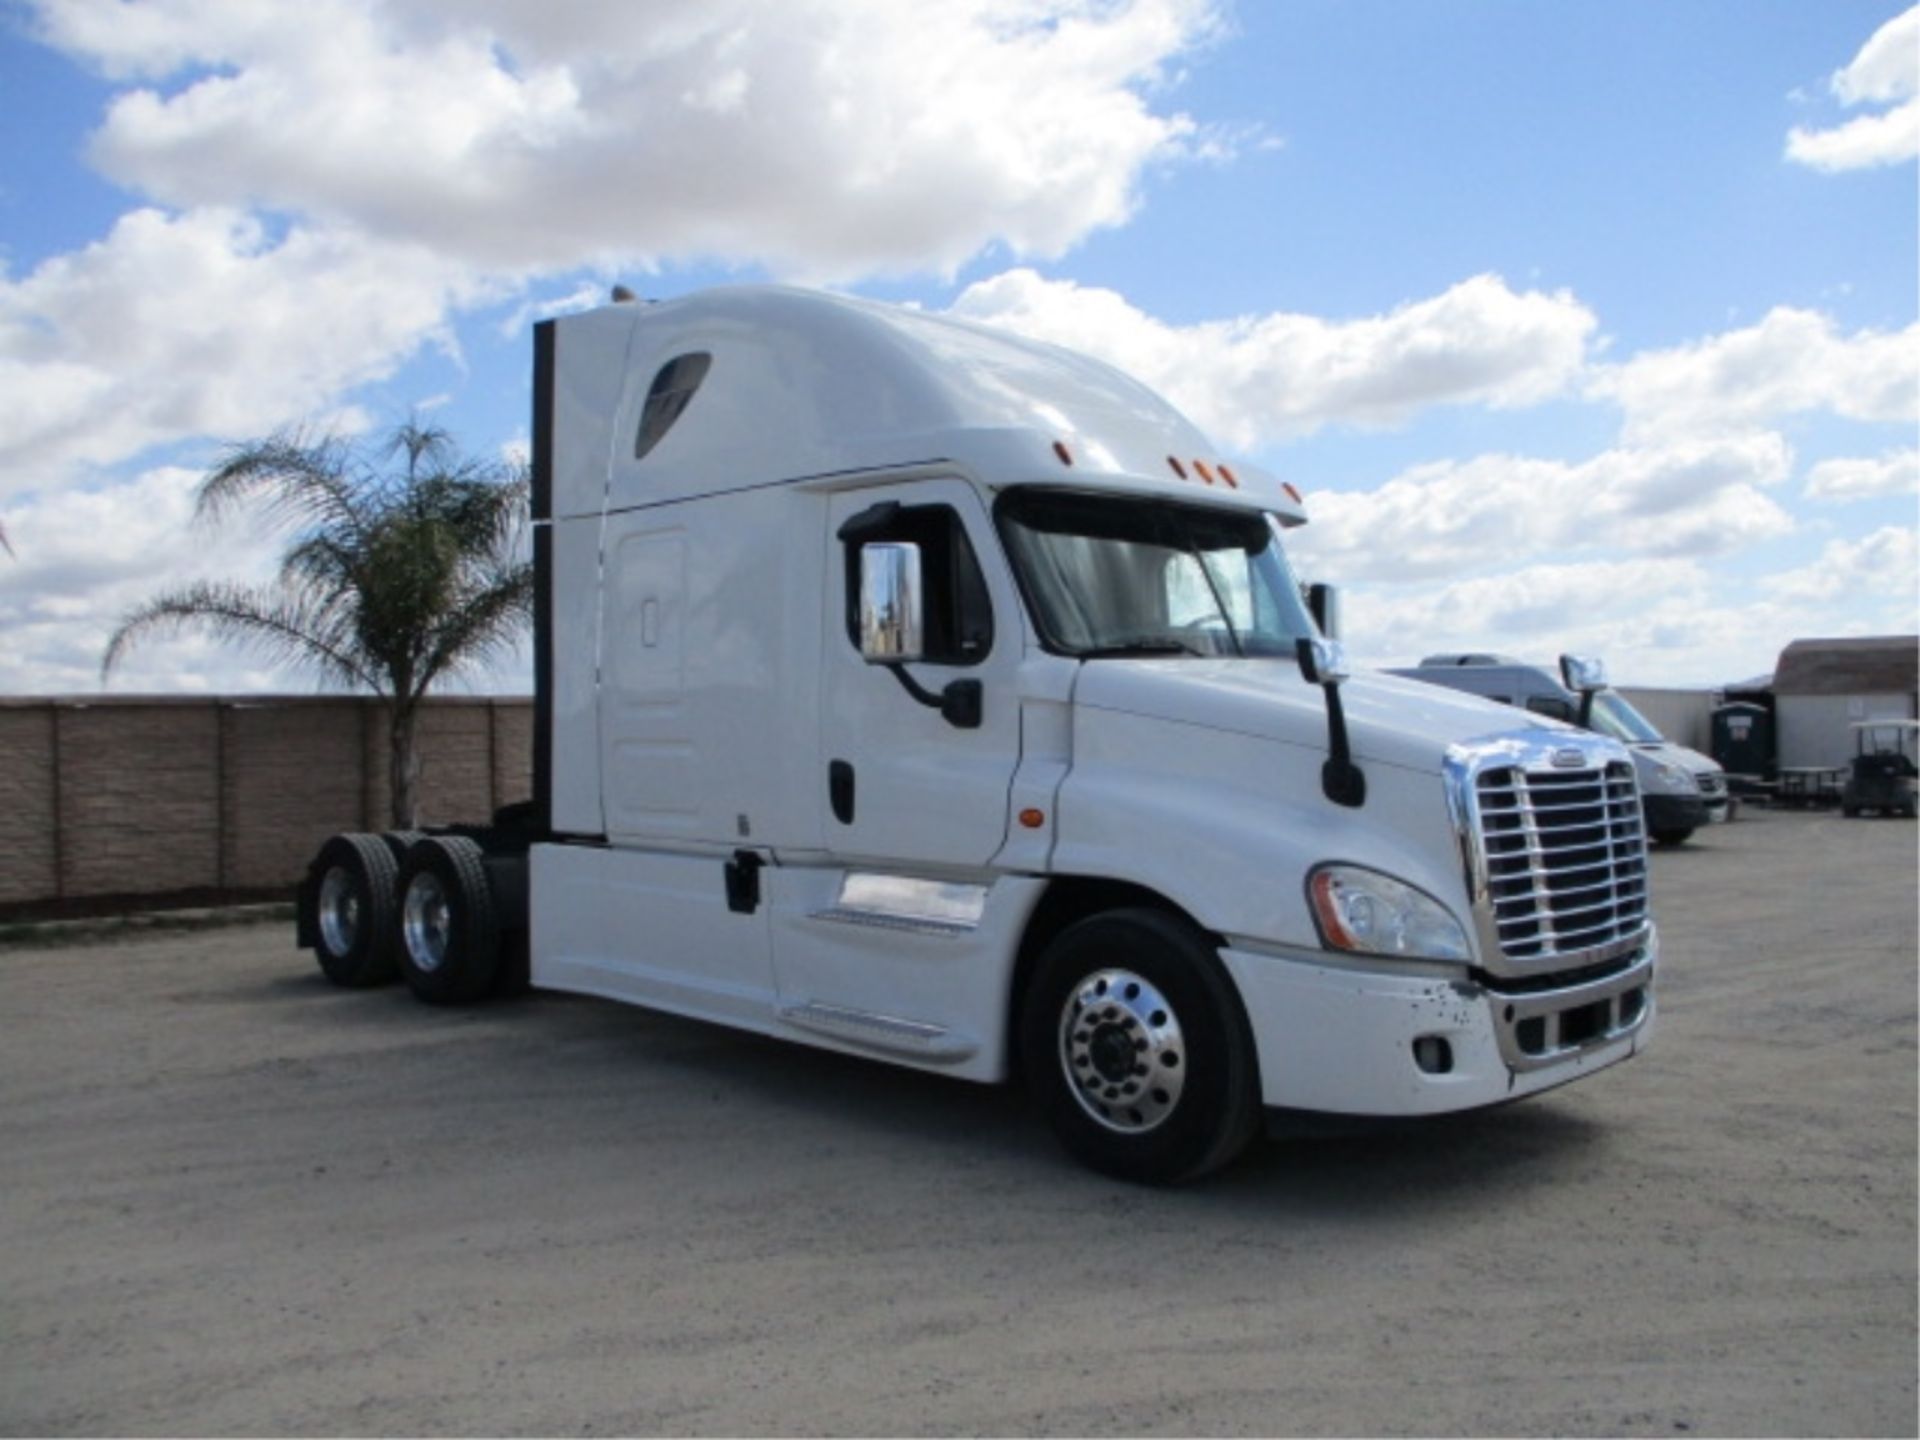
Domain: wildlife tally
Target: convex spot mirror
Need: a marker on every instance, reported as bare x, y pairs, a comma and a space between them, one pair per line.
891, 631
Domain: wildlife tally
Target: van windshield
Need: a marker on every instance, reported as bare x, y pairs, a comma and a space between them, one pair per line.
1109, 576
1615, 717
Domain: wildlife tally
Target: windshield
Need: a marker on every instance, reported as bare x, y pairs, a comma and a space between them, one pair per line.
1613, 716
1111, 576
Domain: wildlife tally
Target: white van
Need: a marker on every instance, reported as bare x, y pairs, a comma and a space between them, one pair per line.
1681, 788
936, 696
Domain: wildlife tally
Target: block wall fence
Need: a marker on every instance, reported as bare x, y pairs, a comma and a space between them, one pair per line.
111, 800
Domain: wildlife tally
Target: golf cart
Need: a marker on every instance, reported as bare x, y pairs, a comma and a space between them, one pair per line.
1883, 773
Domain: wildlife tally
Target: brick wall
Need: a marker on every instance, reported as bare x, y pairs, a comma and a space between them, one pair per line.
117, 797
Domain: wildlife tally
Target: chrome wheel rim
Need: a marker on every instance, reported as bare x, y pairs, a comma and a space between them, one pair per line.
427, 921
1121, 1048
339, 911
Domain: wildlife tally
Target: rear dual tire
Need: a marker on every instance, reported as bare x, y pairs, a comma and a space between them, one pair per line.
449, 939
353, 911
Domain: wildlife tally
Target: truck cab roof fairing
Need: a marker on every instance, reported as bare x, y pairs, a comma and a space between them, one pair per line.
804, 383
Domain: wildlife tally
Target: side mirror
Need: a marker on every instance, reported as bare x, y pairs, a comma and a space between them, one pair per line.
1323, 662
1583, 674
890, 603
1323, 603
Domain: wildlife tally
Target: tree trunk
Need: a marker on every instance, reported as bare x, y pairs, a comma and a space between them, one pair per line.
403, 766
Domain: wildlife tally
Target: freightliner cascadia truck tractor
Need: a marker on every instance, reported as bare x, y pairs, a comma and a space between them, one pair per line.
924, 693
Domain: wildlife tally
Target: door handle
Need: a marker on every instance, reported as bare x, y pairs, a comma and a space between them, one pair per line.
840, 790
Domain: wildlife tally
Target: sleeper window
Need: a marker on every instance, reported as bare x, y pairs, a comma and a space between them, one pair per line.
669, 395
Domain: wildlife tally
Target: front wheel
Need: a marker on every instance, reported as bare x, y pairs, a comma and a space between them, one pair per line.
1672, 837
1137, 1049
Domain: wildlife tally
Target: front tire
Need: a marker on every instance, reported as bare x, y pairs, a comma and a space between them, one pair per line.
354, 887
449, 940
1672, 837
1137, 1049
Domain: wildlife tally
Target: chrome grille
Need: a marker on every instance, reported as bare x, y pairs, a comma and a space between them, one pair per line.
1565, 857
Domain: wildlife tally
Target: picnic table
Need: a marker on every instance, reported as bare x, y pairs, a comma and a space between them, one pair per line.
1810, 784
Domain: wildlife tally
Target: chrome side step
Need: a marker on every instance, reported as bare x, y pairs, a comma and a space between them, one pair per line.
914, 1038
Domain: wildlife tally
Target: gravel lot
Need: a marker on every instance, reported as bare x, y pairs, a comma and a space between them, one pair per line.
233, 1200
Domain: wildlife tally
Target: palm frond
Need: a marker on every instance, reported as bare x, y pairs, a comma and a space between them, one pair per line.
484, 623
278, 625
423, 445
404, 561
297, 482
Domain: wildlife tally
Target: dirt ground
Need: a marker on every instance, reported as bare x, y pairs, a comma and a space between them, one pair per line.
233, 1200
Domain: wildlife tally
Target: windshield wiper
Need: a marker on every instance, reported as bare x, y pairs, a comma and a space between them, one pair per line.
1142, 645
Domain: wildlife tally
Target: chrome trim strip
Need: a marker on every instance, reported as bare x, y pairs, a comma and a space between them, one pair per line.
890, 1033
880, 920
1511, 1011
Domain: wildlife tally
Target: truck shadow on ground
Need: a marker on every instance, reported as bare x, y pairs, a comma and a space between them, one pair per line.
936, 1123
624, 1063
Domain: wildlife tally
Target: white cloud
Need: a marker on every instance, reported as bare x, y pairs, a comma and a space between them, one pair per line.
1519, 606
822, 137
1888, 65
1861, 143
1884, 563
1455, 518
1895, 473
83, 558
1261, 377
199, 324
1657, 622
1791, 362
1886, 70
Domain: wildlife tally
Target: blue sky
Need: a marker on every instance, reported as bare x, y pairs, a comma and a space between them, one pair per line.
1582, 325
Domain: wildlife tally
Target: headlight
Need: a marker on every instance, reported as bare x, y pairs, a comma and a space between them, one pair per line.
1374, 914
1675, 780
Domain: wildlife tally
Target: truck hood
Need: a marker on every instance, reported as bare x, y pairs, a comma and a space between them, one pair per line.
1407, 723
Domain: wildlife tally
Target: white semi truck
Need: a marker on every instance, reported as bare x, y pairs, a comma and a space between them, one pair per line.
924, 693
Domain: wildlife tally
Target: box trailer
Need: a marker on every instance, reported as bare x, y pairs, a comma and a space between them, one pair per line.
937, 696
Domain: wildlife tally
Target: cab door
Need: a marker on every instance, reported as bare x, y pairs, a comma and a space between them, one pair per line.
904, 785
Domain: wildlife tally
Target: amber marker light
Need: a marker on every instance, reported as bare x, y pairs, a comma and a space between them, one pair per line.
1292, 494
1033, 819
1227, 475
1205, 474
1178, 468
1060, 449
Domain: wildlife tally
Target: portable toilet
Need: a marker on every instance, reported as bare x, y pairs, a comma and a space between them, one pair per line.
1743, 740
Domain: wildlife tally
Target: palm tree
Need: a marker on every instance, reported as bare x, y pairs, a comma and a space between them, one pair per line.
403, 566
